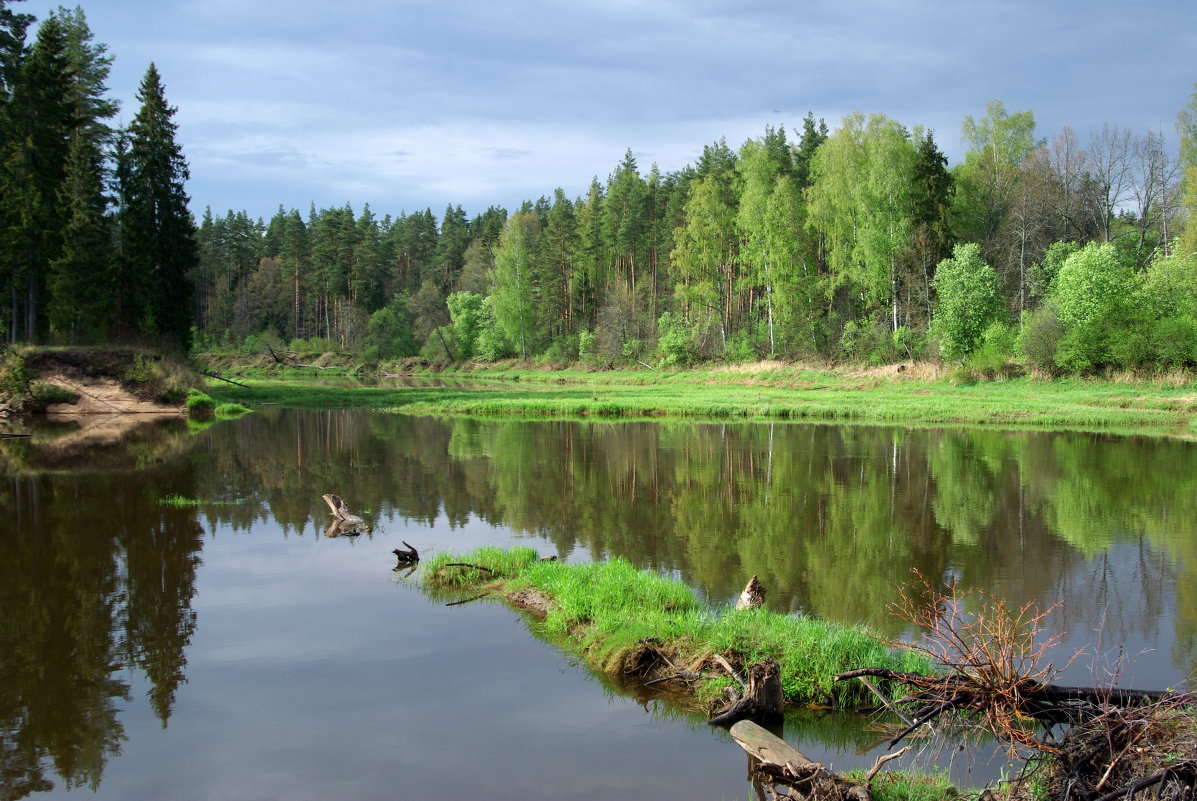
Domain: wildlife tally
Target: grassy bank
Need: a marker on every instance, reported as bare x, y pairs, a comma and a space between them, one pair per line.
765, 391
630, 623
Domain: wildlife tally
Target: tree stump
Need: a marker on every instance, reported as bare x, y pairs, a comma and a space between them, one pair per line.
762, 700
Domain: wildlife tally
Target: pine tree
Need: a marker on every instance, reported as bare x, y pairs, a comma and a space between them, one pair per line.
157, 231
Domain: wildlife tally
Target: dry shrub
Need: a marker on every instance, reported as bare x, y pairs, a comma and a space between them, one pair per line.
761, 366
994, 657
1150, 750
906, 371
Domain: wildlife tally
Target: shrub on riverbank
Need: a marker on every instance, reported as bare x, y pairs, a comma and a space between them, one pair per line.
624, 621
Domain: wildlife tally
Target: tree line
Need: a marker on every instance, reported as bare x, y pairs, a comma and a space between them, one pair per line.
96, 239
857, 244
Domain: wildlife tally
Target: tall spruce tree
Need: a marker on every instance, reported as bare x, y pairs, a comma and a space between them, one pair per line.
38, 124
157, 230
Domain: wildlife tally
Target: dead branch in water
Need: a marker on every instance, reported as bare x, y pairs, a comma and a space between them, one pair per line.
406, 557
339, 510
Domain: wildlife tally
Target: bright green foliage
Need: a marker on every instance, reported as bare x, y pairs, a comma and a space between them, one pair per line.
1044, 272
970, 300
465, 309
998, 145
704, 259
1186, 127
515, 296
1170, 285
389, 331
674, 340
861, 200
769, 221
1090, 283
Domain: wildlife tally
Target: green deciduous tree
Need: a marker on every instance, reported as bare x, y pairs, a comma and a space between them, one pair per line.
515, 295
970, 300
861, 200
998, 144
1186, 127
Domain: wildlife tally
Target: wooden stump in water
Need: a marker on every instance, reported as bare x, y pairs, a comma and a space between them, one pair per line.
752, 596
762, 700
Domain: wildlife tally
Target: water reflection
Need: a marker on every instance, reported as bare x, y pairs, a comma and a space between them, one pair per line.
88, 587
98, 577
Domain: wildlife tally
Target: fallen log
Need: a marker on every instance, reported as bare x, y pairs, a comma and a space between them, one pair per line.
775, 762
1039, 696
210, 374
762, 700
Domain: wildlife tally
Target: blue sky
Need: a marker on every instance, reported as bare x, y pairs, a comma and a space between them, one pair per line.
407, 104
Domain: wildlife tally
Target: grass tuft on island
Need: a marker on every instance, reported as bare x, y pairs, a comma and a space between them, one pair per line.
629, 623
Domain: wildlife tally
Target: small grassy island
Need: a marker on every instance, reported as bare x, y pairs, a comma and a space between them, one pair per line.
633, 624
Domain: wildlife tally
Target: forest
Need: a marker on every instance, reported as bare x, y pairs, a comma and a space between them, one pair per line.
857, 244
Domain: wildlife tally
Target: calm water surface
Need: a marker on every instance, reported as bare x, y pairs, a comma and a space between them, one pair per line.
232, 650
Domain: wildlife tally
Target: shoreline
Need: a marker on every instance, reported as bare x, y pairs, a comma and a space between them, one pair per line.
1165, 406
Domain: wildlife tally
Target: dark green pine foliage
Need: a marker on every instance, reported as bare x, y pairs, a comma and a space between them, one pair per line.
812, 136
449, 255
38, 124
156, 229
933, 190
13, 27
624, 221
80, 279
79, 304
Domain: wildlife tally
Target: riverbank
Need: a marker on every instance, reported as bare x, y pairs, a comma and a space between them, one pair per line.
911, 394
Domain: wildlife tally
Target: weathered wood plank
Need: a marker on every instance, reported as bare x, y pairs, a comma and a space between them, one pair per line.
765, 745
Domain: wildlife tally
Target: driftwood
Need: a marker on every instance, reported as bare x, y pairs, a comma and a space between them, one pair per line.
752, 596
210, 374
408, 557
342, 528
283, 360
761, 701
340, 511
775, 763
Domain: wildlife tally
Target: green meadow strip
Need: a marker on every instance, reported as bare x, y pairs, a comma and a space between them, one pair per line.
1083, 404
605, 612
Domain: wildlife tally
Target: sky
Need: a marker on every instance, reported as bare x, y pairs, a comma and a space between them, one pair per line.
413, 104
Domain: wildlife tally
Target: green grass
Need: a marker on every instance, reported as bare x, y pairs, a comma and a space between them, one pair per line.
605, 612
906, 786
765, 393
182, 501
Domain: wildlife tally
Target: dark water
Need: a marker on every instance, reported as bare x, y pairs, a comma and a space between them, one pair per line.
231, 650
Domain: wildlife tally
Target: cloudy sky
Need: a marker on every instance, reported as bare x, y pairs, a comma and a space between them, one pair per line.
407, 104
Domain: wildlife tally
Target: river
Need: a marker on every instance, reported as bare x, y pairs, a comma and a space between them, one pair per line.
224, 647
